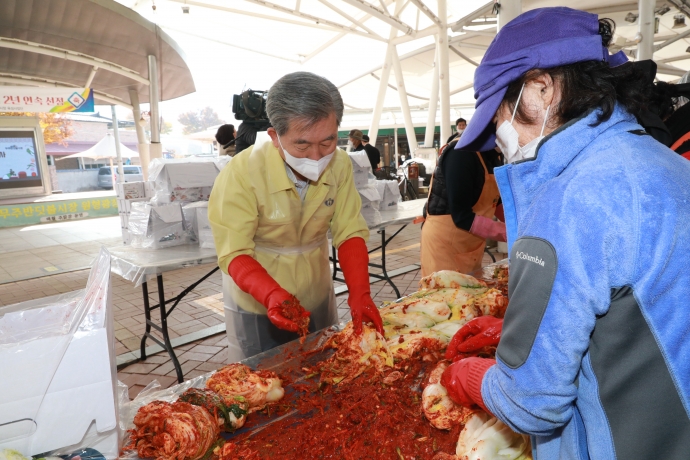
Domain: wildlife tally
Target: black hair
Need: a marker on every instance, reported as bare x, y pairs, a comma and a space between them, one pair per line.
459, 120
225, 134
589, 85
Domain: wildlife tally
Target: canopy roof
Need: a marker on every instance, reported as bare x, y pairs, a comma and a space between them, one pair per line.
105, 148
346, 41
61, 42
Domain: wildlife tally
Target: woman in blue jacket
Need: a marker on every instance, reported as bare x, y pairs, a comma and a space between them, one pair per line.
594, 357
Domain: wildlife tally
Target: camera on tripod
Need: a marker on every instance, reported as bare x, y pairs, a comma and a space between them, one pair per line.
250, 107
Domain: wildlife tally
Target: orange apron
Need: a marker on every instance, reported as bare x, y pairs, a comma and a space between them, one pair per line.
447, 247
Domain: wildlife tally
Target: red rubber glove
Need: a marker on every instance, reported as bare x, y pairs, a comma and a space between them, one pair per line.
476, 334
463, 381
483, 227
354, 262
253, 279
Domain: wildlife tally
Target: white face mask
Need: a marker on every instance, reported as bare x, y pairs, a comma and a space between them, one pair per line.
311, 169
507, 138
460, 131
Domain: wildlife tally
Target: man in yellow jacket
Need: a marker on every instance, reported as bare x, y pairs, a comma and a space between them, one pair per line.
270, 211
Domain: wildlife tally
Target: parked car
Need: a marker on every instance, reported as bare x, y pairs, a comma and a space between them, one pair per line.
132, 174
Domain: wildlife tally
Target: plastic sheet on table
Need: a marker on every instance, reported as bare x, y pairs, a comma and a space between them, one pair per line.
286, 360
134, 264
58, 363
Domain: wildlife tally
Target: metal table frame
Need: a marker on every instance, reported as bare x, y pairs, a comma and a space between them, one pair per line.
382, 266
163, 328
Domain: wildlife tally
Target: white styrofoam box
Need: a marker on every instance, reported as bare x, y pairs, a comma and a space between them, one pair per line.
369, 194
361, 168
149, 189
189, 175
80, 391
157, 226
204, 232
130, 190
390, 194
205, 193
126, 236
371, 216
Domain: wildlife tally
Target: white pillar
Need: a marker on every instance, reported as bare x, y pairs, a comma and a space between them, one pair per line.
156, 150
404, 104
381, 95
433, 104
645, 49
116, 136
510, 9
444, 70
141, 137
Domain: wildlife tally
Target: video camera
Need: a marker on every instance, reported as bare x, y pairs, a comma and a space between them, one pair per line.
250, 107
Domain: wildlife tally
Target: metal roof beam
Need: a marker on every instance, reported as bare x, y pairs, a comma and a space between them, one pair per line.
71, 56
453, 40
299, 14
350, 18
668, 69
425, 9
378, 14
455, 50
466, 20
672, 40
620, 8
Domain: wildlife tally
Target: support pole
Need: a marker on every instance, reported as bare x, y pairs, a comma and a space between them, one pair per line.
444, 70
509, 10
118, 153
141, 137
645, 49
383, 83
404, 105
156, 149
381, 95
433, 104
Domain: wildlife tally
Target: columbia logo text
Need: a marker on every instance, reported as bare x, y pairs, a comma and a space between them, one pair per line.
525, 256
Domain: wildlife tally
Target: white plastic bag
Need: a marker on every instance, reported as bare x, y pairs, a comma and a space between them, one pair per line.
58, 385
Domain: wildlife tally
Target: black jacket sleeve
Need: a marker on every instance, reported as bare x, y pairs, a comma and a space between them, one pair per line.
464, 182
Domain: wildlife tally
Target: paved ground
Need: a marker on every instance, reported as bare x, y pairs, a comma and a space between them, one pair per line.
198, 316
40, 250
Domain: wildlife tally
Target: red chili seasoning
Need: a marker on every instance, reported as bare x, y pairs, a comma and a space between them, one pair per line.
294, 311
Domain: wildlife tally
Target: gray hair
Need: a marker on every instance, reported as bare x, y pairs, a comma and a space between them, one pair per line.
303, 97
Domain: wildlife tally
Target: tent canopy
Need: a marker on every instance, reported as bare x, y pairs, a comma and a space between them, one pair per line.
346, 40
105, 148
95, 43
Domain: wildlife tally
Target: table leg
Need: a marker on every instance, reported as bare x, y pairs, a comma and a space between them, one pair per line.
334, 259
164, 330
147, 315
384, 243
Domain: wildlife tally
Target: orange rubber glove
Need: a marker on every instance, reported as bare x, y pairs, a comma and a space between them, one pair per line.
354, 262
463, 381
478, 333
253, 279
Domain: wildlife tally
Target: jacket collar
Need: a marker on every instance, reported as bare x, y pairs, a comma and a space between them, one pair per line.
519, 182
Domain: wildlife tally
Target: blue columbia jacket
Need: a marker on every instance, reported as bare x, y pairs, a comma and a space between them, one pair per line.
594, 359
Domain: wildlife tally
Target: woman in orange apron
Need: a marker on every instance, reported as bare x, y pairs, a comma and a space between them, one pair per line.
463, 200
